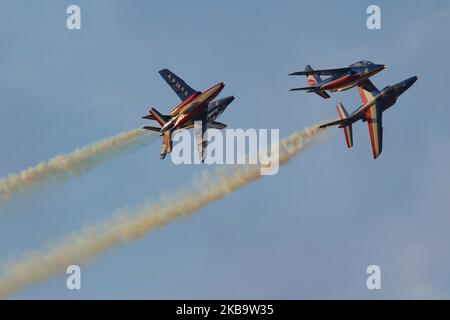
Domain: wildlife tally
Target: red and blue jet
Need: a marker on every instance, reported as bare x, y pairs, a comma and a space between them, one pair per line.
340, 79
194, 106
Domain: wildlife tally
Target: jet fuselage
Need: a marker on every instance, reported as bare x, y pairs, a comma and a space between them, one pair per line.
350, 79
388, 96
215, 109
191, 107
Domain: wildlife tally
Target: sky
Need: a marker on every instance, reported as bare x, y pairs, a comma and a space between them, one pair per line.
309, 231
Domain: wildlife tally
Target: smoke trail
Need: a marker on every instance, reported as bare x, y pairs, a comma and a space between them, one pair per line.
74, 163
91, 241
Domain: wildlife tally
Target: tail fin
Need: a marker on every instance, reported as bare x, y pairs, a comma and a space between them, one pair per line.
177, 84
313, 79
348, 128
162, 119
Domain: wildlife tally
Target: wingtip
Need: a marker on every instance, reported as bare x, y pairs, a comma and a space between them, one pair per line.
375, 155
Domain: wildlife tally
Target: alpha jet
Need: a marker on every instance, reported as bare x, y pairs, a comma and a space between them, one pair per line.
374, 104
340, 79
195, 106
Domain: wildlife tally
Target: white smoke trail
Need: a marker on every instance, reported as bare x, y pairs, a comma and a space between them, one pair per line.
91, 241
74, 163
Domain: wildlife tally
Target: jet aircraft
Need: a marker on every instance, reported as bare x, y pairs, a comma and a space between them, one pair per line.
374, 104
194, 106
340, 79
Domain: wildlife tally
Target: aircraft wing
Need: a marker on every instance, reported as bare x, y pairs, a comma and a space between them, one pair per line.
201, 139
323, 72
177, 84
367, 90
374, 116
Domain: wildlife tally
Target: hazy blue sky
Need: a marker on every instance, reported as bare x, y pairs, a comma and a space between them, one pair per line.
308, 232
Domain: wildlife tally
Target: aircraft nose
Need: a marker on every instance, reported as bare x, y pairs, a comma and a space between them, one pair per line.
224, 102
401, 87
380, 67
228, 100
410, 81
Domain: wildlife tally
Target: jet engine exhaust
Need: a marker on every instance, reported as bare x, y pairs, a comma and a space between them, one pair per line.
74, 163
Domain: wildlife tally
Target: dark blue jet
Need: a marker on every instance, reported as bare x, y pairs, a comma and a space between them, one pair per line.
374, 104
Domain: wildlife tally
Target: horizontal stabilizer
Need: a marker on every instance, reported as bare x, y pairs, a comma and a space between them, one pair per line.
149, 116
162, 119
310, 89
339, 123
152, 128
316, 90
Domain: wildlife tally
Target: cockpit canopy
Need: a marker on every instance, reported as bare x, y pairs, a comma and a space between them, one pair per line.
362, 63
